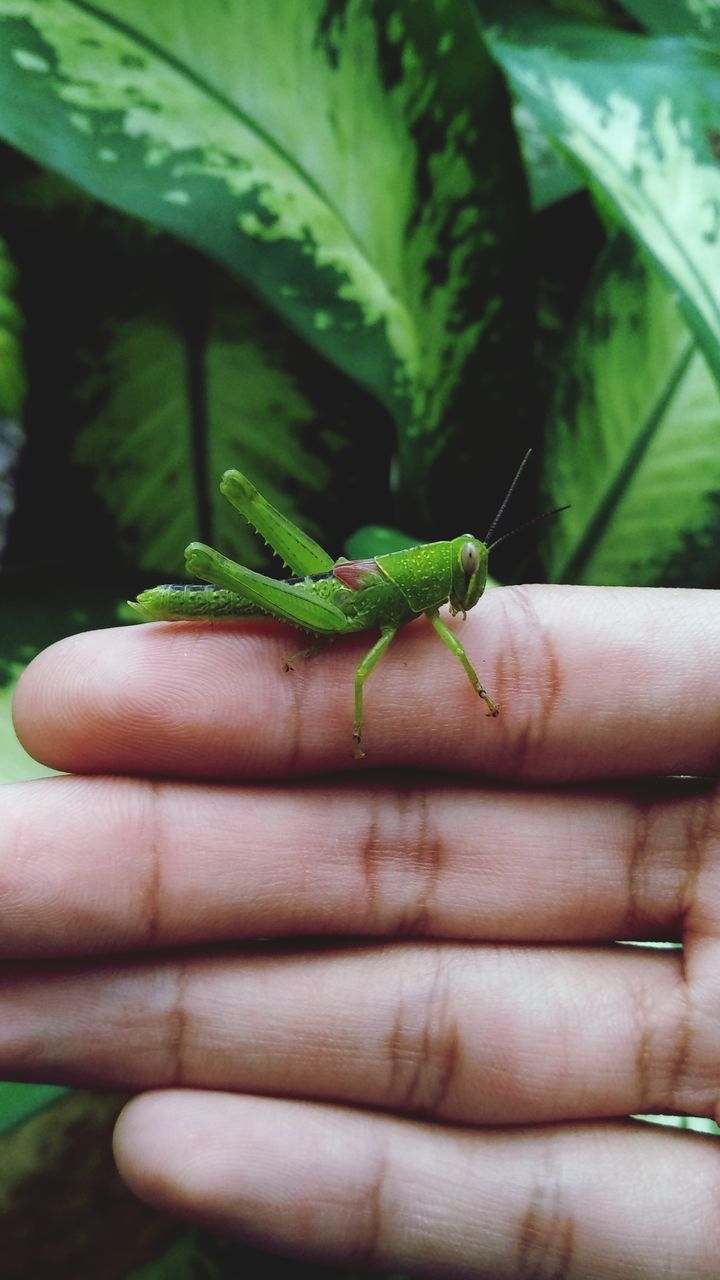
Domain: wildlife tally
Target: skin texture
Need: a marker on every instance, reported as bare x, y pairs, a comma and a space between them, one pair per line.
428, 1063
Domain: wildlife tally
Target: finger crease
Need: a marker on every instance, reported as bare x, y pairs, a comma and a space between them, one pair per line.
153, 845
700, 833
639, 848
546, 1237
176, 1028
371, 1215
533, 728
423, 1067
406, 830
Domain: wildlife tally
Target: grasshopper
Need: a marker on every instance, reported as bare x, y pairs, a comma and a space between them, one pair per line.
331, 597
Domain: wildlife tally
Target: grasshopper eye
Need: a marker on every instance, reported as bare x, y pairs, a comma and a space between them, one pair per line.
469, 559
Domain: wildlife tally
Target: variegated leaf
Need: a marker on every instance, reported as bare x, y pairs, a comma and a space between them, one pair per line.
633, 440
699, 18
157, 450
640, 117
355, 162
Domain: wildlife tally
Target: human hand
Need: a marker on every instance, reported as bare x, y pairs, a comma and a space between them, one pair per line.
427, 1063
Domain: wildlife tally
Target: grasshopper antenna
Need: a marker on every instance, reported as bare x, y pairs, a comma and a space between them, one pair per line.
544, 515
505, 501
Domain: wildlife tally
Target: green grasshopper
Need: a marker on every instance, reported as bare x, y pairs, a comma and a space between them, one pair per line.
331, 597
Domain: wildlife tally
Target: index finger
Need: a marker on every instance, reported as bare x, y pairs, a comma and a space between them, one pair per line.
593, 683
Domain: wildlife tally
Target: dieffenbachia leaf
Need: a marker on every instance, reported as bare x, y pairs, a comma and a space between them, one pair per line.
12, 390
699, 18
162, 436
632, 440
640, 118
377, 540
354, 162
20, 1101
550, 178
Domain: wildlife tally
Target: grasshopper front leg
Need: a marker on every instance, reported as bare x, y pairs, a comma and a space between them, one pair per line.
455, 647
369, 662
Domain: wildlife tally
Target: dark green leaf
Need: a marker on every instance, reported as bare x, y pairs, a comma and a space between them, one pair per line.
377, 540
18, 1101
356, 163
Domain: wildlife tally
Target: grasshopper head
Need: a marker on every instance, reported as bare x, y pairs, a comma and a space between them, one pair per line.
469, 572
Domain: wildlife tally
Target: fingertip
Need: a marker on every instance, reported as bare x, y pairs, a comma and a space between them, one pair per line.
40, 701
142, 699
127, 1139
152, 1144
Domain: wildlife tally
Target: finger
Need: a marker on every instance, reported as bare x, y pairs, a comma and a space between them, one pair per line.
329, 1185
593, 682
471, 1035
98, 864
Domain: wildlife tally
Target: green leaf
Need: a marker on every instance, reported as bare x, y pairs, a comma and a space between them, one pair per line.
632, 440
699, 18
18, 1101
180, 404
601, 11
550, 178
377, 540
638, 116
698, 1124
356, 163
